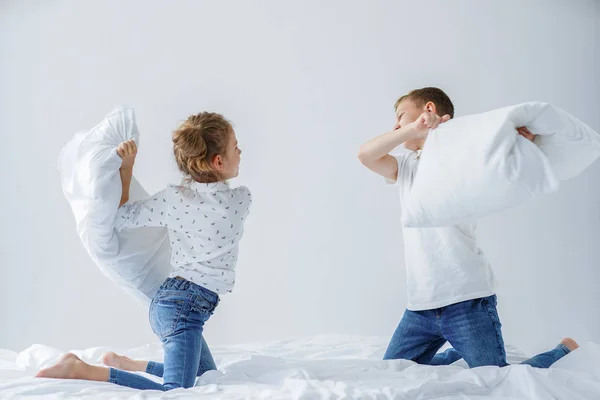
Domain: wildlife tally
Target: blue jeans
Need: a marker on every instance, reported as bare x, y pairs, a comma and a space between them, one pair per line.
473, 329
177, 316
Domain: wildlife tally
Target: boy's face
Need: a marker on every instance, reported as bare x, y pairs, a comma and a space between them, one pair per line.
408, 112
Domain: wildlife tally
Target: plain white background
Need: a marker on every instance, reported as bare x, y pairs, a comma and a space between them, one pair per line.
305, 83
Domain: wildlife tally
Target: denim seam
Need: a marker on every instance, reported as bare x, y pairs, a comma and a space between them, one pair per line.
494, 324
424, 349
150, 367
111, 376
563, 348
185, 359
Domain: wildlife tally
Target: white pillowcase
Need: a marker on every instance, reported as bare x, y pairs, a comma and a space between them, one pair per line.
476, 165
138, 260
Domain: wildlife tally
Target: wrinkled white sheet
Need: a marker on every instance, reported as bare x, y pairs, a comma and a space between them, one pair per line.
323, 367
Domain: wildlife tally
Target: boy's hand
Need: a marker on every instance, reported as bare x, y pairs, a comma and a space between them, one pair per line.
127, 151
526, 133
426, 121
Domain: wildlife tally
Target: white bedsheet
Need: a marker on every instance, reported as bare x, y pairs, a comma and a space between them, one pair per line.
323, 367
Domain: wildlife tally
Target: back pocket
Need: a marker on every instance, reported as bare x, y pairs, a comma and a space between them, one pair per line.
164, 315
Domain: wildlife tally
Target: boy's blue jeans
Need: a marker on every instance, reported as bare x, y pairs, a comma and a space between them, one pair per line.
473, 329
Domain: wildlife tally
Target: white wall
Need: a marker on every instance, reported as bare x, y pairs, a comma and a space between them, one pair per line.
305, 84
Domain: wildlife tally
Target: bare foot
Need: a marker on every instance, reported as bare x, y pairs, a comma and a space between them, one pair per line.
68, 367
570, 343
71, 367
123, 363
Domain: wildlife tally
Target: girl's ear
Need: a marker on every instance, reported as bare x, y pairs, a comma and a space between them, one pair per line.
217, 162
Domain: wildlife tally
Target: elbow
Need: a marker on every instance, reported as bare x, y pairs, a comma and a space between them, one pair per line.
363, 156
123, 201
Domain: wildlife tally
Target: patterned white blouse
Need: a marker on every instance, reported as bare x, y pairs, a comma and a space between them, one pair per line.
205, 222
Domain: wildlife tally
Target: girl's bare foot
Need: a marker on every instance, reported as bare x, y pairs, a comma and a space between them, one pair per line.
72, 367
123, 363
68, 367
570, 343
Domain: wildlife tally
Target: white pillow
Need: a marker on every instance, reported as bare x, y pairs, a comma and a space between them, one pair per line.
138, 260
476, 165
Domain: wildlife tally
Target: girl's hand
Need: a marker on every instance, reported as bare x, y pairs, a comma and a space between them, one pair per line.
526, 133
127, 151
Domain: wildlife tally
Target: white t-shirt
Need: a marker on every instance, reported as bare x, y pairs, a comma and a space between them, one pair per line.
204, 221
443, 265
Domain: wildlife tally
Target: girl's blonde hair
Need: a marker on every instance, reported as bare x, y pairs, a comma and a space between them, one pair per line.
197, 141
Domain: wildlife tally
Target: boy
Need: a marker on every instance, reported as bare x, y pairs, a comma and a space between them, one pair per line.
451, 288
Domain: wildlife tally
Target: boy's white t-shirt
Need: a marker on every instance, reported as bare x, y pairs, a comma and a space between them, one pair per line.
443, 265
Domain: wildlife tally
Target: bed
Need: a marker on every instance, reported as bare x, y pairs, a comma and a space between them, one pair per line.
321, 367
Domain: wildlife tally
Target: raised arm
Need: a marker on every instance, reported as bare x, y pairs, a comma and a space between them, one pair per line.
127, 151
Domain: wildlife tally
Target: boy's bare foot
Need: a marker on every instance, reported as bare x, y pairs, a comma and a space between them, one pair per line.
68, 367
570, 343
123, 363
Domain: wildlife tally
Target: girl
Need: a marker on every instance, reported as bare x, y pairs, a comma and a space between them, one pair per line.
204, 219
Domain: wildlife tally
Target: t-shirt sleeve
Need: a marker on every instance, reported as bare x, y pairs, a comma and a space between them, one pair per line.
406, 166
249, 196
246, 199
143, 213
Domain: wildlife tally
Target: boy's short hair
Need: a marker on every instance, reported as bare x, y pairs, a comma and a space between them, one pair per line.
422, 96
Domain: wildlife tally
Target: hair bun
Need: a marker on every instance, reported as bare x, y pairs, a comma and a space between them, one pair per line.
197, 141
190, 142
